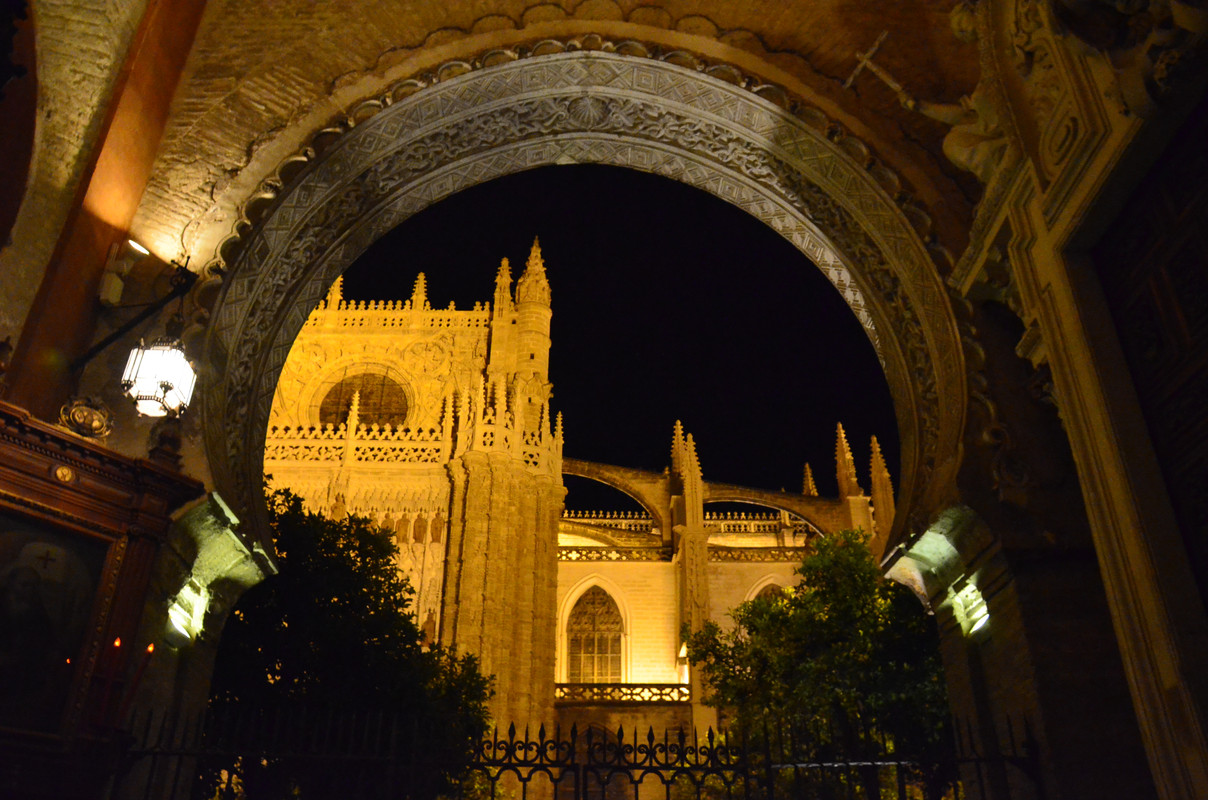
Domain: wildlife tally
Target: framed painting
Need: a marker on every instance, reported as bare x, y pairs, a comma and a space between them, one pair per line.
49, 581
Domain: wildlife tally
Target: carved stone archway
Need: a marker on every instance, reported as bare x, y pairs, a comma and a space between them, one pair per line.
586, 107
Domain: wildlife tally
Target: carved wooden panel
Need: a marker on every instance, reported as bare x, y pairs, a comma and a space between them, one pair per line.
1153, 265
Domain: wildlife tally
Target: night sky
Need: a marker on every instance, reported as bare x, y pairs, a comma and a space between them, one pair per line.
668, 304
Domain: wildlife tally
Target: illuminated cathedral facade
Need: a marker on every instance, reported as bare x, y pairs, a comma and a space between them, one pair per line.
436, 425
1008, 194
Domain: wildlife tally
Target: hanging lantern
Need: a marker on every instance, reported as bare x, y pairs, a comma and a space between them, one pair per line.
158, 378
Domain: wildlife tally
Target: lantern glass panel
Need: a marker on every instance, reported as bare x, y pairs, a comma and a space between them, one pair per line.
159, 379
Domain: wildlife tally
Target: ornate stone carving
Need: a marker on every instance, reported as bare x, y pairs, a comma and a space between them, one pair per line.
646, 115
1036, 57
1154, 48
758, 554
813, 117
87, 416
976, 139
614, 554
1008, 475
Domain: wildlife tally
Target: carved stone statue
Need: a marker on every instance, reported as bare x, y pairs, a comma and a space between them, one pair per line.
976, 141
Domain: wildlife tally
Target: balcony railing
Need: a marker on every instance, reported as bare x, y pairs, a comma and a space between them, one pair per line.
568, 693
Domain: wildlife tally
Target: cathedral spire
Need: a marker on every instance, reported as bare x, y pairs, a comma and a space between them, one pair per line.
534, 259
882, 491
677, 445
503, 288
692, 465
335, 295
533, 286
845, 467
807, 483
419, 295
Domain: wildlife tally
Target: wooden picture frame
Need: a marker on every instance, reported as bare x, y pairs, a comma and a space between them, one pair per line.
80, 527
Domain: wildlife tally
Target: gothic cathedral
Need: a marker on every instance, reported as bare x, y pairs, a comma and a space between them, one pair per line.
436, 424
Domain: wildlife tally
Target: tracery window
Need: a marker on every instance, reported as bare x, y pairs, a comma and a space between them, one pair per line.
383, 401
593, 638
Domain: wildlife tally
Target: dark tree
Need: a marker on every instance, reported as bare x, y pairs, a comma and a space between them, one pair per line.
845, 665
332, 636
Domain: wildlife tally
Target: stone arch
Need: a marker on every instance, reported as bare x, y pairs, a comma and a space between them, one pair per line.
308, 393
811, 510
635, 484
594, 107
66, 119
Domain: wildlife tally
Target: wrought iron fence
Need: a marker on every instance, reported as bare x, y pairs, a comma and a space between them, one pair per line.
298, 753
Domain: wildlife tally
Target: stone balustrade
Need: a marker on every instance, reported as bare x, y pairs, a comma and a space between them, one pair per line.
569, 693
386, 314
368, 443
635, 521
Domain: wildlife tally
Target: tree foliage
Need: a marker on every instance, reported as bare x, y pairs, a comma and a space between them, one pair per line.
333, 632
846, 664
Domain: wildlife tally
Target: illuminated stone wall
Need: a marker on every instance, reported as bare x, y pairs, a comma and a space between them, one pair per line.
436, 425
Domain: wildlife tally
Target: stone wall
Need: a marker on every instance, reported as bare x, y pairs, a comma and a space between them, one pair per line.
81, 46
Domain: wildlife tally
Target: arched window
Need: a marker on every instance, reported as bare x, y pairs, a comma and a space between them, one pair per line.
593, 639
772, 591
382, 401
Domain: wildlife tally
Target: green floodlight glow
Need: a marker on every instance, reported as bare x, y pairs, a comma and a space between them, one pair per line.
971, 609
188, 610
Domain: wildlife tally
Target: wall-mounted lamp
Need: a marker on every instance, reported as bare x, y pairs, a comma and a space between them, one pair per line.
158, 377
123, 257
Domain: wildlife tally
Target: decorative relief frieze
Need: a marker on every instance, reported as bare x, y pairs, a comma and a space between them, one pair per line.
614, 554
758, 554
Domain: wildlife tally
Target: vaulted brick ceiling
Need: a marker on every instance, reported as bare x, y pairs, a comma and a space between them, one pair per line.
264, 76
